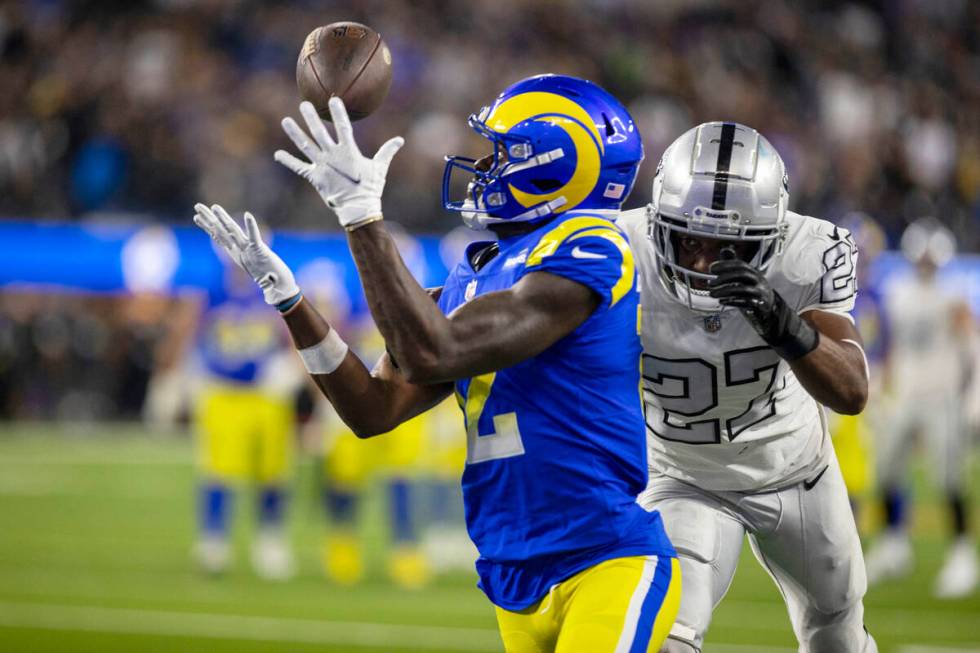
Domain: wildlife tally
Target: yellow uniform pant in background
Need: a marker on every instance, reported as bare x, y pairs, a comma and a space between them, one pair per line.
851, 437
244, 435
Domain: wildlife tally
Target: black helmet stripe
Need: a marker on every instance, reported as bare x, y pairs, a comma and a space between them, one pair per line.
720, 194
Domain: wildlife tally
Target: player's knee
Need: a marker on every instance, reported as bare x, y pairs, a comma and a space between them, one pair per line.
842, 590
673, 645
831, 632
835, 640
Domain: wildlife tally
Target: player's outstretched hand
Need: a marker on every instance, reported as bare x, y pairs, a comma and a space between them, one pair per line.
349, 182
249, 251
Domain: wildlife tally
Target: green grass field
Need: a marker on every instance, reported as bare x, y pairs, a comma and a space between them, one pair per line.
95, 539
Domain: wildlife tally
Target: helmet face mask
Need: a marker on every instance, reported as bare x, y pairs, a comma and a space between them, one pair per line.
702, 191
486, 190
558, 143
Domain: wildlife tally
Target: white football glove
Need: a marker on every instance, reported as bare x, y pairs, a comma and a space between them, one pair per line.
247, 249
350, 183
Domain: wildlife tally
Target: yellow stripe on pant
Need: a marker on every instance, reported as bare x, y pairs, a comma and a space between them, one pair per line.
623, 605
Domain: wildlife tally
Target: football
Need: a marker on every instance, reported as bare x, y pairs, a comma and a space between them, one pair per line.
346, 59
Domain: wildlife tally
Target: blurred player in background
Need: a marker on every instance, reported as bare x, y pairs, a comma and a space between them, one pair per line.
347, 467
746, 331
400, 460
853, 434
350, 465
537, 335
414, 462
930, 364
243, 416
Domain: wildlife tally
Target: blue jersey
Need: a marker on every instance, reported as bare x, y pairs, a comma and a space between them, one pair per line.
237, 336
556, 445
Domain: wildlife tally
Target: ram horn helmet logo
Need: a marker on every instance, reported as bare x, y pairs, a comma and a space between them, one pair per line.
576, 122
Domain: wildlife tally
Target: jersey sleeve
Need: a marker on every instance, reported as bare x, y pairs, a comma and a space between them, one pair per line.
828, 264
591, 251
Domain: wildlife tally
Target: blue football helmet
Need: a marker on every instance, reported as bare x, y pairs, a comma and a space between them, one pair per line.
559, 144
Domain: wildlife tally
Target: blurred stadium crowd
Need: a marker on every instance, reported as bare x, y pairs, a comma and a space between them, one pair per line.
73, 358
134, 110
146, 106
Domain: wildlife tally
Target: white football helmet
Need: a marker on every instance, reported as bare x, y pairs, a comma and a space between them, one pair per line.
719, 180
927, 238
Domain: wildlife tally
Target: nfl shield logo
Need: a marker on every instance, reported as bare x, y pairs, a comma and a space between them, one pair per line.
470, 292
712, 323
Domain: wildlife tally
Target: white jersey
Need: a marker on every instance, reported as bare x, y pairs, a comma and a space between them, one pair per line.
924, 351
723, 410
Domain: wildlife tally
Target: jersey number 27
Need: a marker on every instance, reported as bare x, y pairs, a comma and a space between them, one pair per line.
686, 391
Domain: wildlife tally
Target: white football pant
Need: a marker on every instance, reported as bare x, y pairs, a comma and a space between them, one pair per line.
939, 421
805, 537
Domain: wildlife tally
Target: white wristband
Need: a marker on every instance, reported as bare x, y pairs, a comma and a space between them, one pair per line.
325, 356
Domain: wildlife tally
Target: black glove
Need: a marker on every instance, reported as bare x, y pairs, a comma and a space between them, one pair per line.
740, 285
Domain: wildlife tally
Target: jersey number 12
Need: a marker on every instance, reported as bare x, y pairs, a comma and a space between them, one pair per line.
505, 440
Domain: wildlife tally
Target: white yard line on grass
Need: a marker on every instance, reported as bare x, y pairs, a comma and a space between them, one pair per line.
715, 647
922, 648
244, 627
89, 460
274, 629
305, 631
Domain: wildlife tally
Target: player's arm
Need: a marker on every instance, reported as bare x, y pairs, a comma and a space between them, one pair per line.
184, 316
487, 334
369, 402
965, 332
491, 332
835, 373
822, 347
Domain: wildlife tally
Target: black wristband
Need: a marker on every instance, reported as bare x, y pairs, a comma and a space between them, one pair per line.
793, 337
798, 341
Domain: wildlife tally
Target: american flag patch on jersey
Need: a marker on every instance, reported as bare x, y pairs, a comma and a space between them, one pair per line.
712, 323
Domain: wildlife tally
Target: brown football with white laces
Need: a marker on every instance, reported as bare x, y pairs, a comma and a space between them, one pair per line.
346, 59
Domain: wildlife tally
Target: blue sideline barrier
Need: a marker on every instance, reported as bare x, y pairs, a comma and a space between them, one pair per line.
115, 258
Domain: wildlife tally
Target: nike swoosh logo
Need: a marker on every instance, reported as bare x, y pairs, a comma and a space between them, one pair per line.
578, 253
344, 174
808, 485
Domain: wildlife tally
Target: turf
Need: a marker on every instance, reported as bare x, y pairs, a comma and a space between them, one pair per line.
96, 530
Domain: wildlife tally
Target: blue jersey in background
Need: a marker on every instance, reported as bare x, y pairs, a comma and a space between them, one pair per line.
238, 334
872, 323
